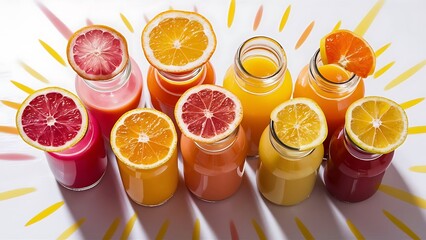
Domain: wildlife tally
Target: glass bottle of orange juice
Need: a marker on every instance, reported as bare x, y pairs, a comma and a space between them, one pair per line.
291, 151
260, 79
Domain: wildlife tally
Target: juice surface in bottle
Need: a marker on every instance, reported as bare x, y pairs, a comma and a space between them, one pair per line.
108, 100
82, 166
327, 87
286, 176
214, 171
260, 79
352, 174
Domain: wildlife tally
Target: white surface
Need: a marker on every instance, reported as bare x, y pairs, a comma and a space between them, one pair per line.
22, 24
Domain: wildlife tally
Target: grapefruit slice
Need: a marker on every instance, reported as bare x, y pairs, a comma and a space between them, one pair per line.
208, 113
97, 52
52, 119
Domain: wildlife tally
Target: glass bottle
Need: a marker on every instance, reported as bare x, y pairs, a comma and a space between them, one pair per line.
352, 174
214, 171
286, 176
333, 97
260, 79
109, 99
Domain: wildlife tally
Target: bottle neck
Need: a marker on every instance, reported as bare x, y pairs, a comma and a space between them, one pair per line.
356, 151
327, 87
284, 150
270, 51
112, 84
220, 145
177, 83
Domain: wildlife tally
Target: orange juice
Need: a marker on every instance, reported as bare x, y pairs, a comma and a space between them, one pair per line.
259, 78
332, 89
286, 176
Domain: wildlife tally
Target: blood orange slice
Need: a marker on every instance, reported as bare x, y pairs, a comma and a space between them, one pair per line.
208, 113
52, 119
97, 52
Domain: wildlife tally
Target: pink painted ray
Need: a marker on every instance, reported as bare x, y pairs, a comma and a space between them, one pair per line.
60, 26
16, 156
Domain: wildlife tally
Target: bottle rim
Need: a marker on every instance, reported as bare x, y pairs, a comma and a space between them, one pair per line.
112, 84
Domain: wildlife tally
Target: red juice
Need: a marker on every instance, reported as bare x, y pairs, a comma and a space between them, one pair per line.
352, 174
82, 166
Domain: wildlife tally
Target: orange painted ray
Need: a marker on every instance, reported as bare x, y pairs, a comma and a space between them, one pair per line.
411, 103
303, 229
196, 230
45, 213
111, 229
11, 104
258, 18
284, 18
23, 87
417, 130
231, 13
16, 156
60, 26
260, 233
357, 234
384, 69
16, 193
233, 230
337, 26
401, 225
304, 35
33, 72
128, 228
418, 169
8, 130
365, 23
381, 50
52, 52
71, 229
163, 230
403, 196
405, 75
126, 22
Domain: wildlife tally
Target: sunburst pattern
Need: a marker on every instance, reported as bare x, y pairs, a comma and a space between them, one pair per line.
163, 230
16, 193
384, 69
401, 225
126, 22
354, 230
365, 23
260, 233
304, 35
405, 75
284, 18
45, 213
403, 196
111, 229
258, 18
303, 229
129, 227
52, 53
196, 230
71, 229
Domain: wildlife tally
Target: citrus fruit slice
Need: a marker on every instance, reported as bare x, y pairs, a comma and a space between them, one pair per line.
178, 41
299, 123
334, 73
350, 51
143, 138
52, 119
208, 113
97, 52
376, 124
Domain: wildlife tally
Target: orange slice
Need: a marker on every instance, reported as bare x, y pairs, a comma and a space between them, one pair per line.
208, 113
97, 52
178, 41
144, 138
300, 123
348, 50
376, 124
52, 119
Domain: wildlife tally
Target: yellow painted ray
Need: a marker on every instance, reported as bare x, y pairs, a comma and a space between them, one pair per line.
417, 130
303, 229
284, 18
411, 103
126, 22
163, 230
8, 130
337, 26
305, 35
401, 225
33, 72
357, 234
111, 230
403, 196
384, 69
381, 50
369, 18
45, 213
23, 87
129, 226
69, 231
231, 13
418, 169
258, 18
196, 231
10, 104
405, 75
259, 230
16, 193
52, 52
